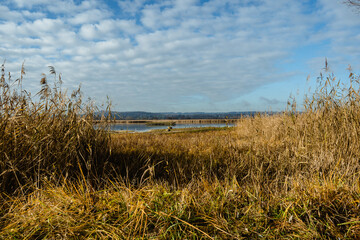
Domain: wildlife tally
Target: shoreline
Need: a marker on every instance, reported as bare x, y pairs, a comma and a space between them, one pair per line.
174, 130
162, 121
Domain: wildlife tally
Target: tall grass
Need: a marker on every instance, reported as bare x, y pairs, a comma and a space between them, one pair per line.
287, 176
50, 137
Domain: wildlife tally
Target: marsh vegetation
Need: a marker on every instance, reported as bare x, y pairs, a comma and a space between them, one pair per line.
291, 175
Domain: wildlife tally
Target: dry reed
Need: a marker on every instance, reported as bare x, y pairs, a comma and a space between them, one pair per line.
288, 176
51, 137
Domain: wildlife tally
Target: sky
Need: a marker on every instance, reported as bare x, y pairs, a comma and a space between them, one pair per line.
181, 55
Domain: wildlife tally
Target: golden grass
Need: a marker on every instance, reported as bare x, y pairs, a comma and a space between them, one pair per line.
50, 137
288, 176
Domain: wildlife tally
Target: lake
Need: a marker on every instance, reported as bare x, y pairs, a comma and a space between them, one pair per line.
146, 128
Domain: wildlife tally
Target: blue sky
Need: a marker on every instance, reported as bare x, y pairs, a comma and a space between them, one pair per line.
181, 55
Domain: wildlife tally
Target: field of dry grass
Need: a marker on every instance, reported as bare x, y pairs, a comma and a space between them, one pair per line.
287, 176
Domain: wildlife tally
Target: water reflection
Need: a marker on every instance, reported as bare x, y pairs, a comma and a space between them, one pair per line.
146, 128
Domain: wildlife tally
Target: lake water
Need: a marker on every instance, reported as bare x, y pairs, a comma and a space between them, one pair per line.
146, 128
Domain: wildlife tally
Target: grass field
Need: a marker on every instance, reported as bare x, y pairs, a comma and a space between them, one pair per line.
287, 176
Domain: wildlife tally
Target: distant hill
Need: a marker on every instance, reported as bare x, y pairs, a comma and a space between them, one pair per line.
139, 115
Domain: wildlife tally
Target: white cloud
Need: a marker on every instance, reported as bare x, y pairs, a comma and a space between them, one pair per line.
32, 15
88, 31
150, 17
44, 25
183, 52
29, 4
109, 28
68, 7
126, 26
184, 4
89, 16
111, 46
7, 14
131, 6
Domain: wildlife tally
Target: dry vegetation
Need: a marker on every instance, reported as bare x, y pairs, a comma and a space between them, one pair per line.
289, 176
50, 137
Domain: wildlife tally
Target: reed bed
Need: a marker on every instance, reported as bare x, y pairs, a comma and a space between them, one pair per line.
293, 175
49, 135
